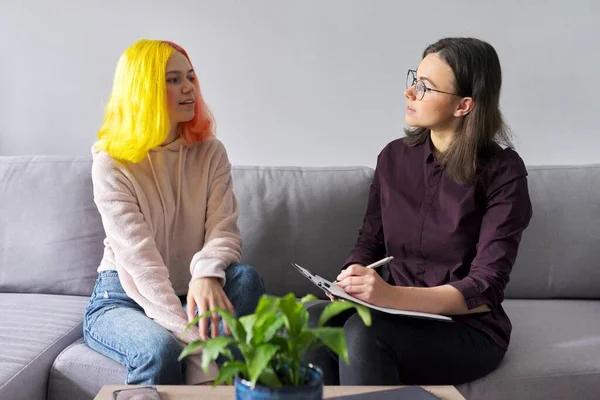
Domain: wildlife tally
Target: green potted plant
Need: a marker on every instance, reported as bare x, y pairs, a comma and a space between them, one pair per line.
272, 342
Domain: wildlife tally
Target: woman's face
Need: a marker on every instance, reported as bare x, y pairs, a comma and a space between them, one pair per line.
435, 110
181, 89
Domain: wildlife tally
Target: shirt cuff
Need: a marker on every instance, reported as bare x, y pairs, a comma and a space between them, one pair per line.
473, 297
209, 268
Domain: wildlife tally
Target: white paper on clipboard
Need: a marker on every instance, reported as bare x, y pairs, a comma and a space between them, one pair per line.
336, 291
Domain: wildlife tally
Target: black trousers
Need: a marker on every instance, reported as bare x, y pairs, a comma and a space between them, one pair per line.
397, 350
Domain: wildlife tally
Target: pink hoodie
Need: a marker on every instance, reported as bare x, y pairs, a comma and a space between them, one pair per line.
168, 219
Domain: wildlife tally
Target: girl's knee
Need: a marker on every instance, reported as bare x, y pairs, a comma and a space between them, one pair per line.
156, 362
245, 273
163, 351
243, 287
245, 277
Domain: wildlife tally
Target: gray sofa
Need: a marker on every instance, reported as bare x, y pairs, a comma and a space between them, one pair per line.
51, 242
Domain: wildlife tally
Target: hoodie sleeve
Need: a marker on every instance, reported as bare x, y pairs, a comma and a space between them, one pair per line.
222, 240
141, 269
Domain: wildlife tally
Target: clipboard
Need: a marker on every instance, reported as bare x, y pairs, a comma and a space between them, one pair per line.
338, 293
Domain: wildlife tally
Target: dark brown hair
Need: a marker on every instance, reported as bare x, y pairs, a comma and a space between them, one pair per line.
477, 74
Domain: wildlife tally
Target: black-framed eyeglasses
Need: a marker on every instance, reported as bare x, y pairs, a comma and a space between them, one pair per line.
420, 87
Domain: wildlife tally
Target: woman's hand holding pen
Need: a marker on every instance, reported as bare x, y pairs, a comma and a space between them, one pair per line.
336, 282
367, 285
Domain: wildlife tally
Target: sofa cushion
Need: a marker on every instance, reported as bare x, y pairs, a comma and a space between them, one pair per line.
306, 215
554, 353
559, 256
310, 216
35, 328
79, 373
50, 231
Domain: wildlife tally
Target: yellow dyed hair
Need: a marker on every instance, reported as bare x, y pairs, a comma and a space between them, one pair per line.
136, 118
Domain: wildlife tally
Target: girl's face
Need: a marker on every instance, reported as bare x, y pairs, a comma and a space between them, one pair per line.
181, 89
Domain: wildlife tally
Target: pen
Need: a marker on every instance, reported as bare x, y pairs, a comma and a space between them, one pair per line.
380, 262
376, 264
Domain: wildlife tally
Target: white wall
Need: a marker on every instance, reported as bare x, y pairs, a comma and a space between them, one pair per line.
306, 82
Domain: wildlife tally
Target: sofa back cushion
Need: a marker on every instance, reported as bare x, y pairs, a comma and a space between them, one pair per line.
51, 236
50, 231
559, 255
309, 216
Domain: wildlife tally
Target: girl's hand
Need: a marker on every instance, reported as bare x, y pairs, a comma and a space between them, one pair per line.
207, 294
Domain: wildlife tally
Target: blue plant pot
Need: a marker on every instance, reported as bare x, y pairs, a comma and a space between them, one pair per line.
313, 390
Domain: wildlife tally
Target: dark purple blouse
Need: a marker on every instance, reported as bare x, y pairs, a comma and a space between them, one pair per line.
442, 232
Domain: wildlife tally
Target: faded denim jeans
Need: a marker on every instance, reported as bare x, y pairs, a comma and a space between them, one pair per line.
117, 327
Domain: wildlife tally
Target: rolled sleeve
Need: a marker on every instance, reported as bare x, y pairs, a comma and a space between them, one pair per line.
508, 212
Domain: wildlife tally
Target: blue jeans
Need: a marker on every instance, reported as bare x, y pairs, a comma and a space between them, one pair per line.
117, 327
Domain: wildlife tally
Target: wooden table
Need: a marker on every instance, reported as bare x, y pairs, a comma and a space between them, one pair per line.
227, 392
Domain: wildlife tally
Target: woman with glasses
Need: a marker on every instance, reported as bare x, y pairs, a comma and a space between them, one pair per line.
449, 202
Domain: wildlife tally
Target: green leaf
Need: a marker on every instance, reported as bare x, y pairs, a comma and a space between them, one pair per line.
229, 370
236, 328
269, 378
247, 351
336, 307
332, 309
266, 315
306, 337
198, 317
334, 339
283, 344
190, 348
308, 297
248, 322
364, 313
295, 314
272, 328
266, 304
214, 348
260, 360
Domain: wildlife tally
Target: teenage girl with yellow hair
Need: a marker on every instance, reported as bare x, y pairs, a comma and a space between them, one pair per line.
162, 184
